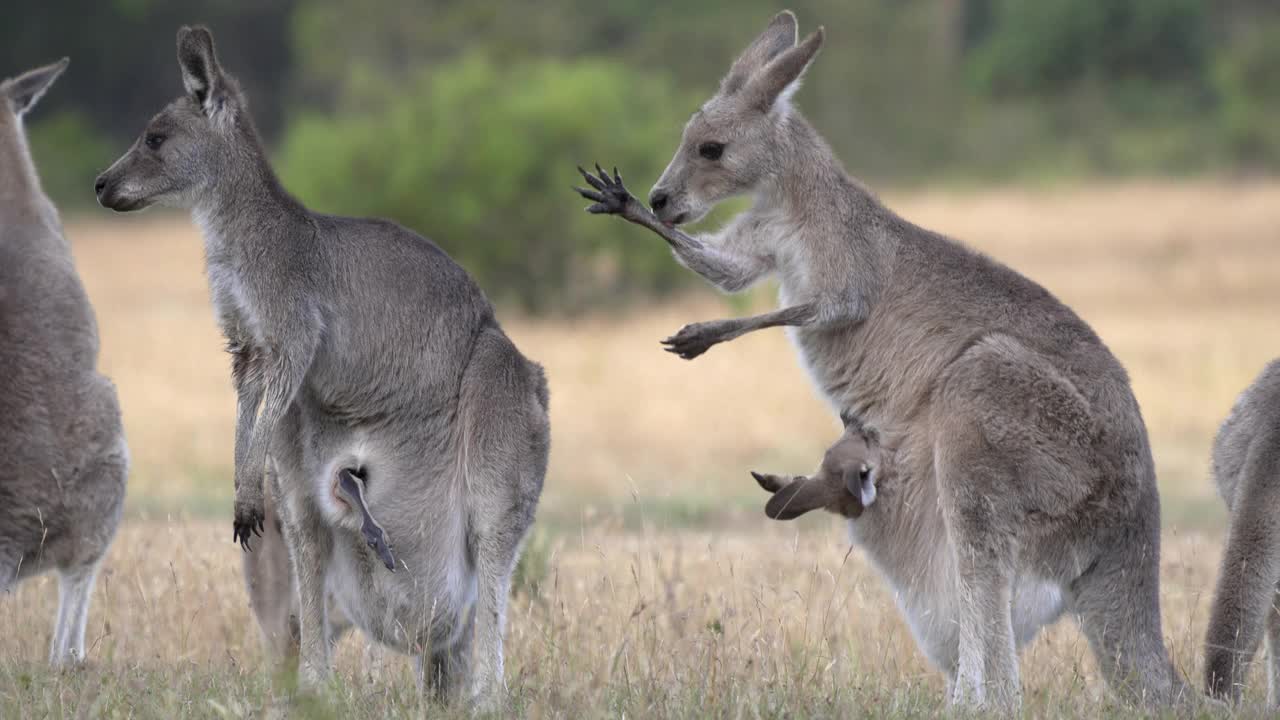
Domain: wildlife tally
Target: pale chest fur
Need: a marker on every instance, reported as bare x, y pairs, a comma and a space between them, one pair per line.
233, 302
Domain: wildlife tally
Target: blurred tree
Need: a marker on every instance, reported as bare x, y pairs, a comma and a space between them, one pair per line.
1247, 77
905, 90
1049, 46
69, 153
480, 157
123, 67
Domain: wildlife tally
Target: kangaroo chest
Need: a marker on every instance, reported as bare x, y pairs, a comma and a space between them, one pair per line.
235, 303
236, 313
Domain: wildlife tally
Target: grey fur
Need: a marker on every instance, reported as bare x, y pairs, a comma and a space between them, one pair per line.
370, 350
1246, 469
1020, 447
61, 440
273, 595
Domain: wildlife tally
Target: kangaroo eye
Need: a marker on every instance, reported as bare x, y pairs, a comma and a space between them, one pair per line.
864, 472
711, 150
154, 140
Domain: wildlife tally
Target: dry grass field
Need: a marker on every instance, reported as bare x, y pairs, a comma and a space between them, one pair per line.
655, 586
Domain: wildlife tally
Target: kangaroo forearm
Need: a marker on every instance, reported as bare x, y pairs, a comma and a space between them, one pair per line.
794, 316
725, 270
279, 385
254, 460
247, 401
640, 215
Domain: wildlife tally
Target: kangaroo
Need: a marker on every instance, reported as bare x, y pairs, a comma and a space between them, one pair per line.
407, 431
906, 538
61, 438
1246, 468
998, 399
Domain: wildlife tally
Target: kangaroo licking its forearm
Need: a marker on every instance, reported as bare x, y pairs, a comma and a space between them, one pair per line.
1005, 411
1246, 469
62, 442
407, 431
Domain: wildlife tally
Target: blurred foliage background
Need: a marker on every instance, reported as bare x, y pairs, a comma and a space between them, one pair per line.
464, 119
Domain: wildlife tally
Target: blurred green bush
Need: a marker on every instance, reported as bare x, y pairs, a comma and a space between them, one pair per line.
1048, 46
481, 157
1247, 79
69, 152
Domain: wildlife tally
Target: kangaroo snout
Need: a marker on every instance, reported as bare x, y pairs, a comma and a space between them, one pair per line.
107, 190
670, 207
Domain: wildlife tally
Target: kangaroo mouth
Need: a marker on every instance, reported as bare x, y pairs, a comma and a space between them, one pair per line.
678, 220
123, 205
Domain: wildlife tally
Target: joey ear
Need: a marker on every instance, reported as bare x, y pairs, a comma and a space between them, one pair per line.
777, 37
26, 89
769, 483
774, 85
799, 497
201, 74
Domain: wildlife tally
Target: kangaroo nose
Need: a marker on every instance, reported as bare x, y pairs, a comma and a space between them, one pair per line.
658, 200
99, 185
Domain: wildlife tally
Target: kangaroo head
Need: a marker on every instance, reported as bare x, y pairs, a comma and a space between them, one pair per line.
20, 94
734, 141
189, 143
845, 484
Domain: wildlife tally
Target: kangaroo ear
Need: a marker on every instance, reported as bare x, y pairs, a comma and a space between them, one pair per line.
201, 74
769, 483
799, 497
777, 37
26, 89
774, 85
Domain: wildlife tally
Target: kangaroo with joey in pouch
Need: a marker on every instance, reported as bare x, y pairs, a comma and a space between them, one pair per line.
1246, 604
409, 436
61, 436
998, 400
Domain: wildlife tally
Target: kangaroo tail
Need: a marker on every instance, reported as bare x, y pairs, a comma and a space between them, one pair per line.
1250, 569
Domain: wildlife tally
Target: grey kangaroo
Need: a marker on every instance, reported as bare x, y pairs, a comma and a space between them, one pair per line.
61, 439
407, 431
1246, 468
902, 528
997, 399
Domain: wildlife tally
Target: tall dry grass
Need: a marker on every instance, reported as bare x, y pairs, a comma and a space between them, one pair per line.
660, 588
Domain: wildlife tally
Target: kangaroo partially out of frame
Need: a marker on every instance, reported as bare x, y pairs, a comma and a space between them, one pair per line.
61, 440
998, 400
409, 436
1246, 469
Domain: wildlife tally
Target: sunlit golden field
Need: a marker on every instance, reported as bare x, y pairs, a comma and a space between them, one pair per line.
655, 585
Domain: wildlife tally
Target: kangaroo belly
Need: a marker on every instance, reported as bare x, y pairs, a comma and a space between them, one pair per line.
414, 610
413, 492
925, 585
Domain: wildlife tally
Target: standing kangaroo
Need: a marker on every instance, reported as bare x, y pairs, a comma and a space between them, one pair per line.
397, 413
998, 399
1246, 467
61, 440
